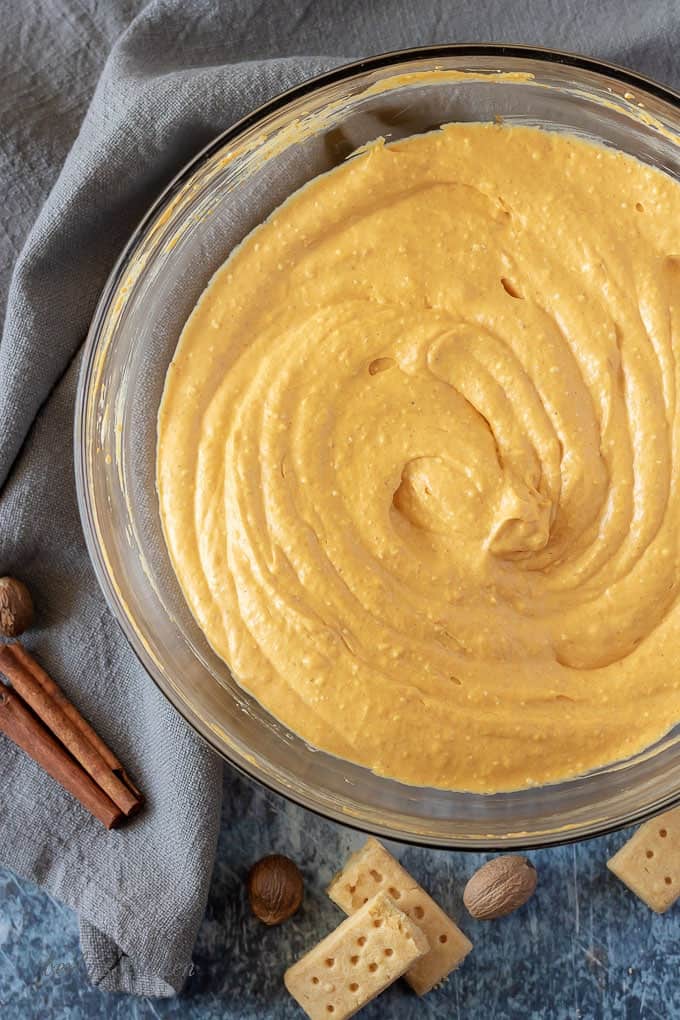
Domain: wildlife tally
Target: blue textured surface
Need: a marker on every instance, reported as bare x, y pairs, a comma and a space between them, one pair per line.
584, 947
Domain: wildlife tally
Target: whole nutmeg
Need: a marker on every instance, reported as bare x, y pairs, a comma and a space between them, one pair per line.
16, 607
275, 889
500, 886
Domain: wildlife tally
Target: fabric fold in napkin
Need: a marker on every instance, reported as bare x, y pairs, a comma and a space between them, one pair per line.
101, 103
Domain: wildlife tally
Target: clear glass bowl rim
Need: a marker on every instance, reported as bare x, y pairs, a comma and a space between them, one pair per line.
377, 62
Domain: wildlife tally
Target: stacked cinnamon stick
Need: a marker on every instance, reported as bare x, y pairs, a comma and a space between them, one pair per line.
37, 716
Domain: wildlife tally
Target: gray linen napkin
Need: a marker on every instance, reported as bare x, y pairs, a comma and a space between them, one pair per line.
173, 74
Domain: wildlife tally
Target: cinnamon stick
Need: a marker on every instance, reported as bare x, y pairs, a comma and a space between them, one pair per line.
36, 688
58, 696
28, 733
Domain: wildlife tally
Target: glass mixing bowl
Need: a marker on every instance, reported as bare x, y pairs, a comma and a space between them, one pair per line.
224, 192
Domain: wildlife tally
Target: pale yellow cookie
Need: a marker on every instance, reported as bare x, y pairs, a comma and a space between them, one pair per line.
372, 869
649, 863
356, 962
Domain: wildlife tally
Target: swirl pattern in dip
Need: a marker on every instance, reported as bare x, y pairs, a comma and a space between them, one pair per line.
418, 459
